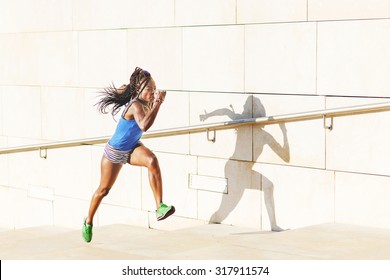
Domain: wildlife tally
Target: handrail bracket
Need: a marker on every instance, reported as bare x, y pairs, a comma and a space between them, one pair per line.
213, 137
43, 153
326, 125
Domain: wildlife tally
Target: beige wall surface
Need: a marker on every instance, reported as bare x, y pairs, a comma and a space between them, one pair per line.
219, 61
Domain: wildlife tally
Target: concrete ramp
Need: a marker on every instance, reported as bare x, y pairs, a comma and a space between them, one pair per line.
212, 241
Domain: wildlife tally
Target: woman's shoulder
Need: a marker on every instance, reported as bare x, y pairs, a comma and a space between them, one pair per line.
134, 106
135, 103
140, 103
131, 107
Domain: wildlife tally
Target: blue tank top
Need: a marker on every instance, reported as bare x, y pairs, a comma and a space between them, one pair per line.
127, 133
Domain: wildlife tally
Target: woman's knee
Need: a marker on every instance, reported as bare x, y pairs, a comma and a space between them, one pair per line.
102, 191
152, 162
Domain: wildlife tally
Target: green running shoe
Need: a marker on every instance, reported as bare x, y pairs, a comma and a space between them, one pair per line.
164, 211
87, 231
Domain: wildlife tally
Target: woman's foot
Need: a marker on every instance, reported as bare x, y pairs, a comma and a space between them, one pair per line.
164, 211
87, 231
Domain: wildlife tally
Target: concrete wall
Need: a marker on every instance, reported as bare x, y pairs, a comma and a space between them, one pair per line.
246, 57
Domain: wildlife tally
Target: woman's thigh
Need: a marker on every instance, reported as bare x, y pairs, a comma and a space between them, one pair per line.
109, 172
141, 156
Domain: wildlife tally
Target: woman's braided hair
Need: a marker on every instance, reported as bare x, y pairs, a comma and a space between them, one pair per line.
117, 97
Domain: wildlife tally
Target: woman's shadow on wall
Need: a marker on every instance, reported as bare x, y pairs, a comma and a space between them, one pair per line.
252, 107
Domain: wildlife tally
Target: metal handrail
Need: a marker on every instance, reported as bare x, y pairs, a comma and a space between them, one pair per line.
328, 113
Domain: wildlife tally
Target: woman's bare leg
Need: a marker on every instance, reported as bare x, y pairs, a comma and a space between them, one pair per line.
109, 173
142, 156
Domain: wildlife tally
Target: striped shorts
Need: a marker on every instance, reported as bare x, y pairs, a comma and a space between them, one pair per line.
115, 155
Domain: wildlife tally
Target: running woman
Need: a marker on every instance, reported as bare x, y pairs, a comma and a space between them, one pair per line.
142, 102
